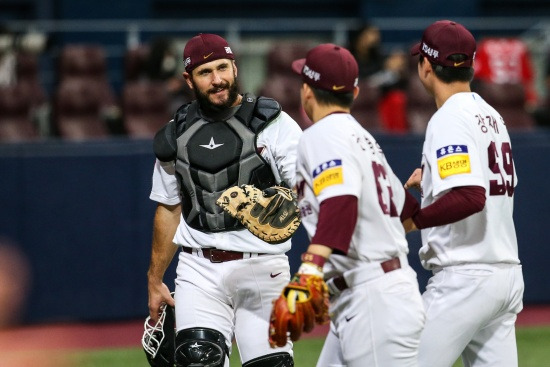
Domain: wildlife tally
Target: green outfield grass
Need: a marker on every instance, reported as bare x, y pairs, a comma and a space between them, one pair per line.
533, 351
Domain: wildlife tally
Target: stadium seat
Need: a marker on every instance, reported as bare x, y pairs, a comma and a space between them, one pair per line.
282, 84
365, 107
27, 72
420, 105
281, 55
135, 63
82, 61
509, 100
78, 110
285, 89
145, 108
26, 66
16, 123
86, 65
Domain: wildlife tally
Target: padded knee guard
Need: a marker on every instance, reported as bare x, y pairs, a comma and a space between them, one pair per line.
200, 347
282, 359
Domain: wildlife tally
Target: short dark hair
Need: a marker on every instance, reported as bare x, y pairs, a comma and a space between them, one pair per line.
325, 97
449, 74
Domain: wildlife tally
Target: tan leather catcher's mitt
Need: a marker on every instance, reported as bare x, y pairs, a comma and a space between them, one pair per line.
271, 214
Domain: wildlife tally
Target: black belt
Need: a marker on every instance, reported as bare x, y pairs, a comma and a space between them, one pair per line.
216, 255
388, 265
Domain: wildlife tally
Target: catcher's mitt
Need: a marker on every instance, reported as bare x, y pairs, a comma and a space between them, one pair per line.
271, 215
303, 302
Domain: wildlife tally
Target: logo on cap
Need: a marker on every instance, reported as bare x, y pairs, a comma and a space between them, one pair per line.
334, 87
228, 50
311, 74
207, 56
430, 51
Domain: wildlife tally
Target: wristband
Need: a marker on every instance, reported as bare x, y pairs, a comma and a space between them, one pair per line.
315, 259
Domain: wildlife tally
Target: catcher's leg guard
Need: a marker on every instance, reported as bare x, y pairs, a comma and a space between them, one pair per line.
282, 359
197, 347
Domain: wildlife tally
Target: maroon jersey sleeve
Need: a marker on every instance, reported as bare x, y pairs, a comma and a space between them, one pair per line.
410, 208
337, 220
457, 204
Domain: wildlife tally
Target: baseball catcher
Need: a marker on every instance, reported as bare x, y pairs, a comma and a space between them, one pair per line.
158, 340
271, 215
303, 302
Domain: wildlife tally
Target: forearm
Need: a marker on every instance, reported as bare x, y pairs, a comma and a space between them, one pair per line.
457, 204
163, 250
320, 250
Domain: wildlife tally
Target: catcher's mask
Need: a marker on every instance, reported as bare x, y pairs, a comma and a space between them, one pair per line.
158, 340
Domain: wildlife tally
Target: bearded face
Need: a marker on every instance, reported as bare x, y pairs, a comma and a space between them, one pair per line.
216, 105
216, 87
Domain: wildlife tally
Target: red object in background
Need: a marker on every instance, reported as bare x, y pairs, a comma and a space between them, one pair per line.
506, 61
392, 109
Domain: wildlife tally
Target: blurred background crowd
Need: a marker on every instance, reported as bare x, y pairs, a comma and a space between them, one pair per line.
85, 85
84, 79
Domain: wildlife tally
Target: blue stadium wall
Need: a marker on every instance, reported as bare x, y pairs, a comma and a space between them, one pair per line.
80, 212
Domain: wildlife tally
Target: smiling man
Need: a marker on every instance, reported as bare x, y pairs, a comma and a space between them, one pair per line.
226, 277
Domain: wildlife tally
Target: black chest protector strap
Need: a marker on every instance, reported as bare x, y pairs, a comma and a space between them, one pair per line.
212, 156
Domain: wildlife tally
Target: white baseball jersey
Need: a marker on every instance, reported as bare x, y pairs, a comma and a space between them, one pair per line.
337, 156
277, 144
467, 144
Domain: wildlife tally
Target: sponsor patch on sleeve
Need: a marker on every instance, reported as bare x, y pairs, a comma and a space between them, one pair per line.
327, 174
453, 160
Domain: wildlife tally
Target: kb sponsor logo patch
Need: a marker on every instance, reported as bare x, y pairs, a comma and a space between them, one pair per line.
327, 174
453, 160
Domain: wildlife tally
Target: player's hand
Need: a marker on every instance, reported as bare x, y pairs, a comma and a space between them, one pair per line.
409, 225
303, 302
159, 294
414, 180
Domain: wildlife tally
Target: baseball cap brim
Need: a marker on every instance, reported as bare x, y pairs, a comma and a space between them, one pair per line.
298, 65
415, 50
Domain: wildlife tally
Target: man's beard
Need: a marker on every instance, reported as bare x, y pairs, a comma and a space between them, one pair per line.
212, 109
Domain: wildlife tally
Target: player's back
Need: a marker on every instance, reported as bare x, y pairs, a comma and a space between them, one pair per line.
468, 122
378, 234
500, 173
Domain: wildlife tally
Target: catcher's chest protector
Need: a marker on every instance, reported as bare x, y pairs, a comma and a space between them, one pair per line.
215, 155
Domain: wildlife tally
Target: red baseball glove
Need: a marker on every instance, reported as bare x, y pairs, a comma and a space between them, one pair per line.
303, 302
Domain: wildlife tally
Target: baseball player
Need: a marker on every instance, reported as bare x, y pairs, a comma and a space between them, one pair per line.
226, 277
351, 202
469, 242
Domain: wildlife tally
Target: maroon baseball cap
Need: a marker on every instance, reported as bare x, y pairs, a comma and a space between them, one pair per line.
329, 67
444, 38
203, 48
